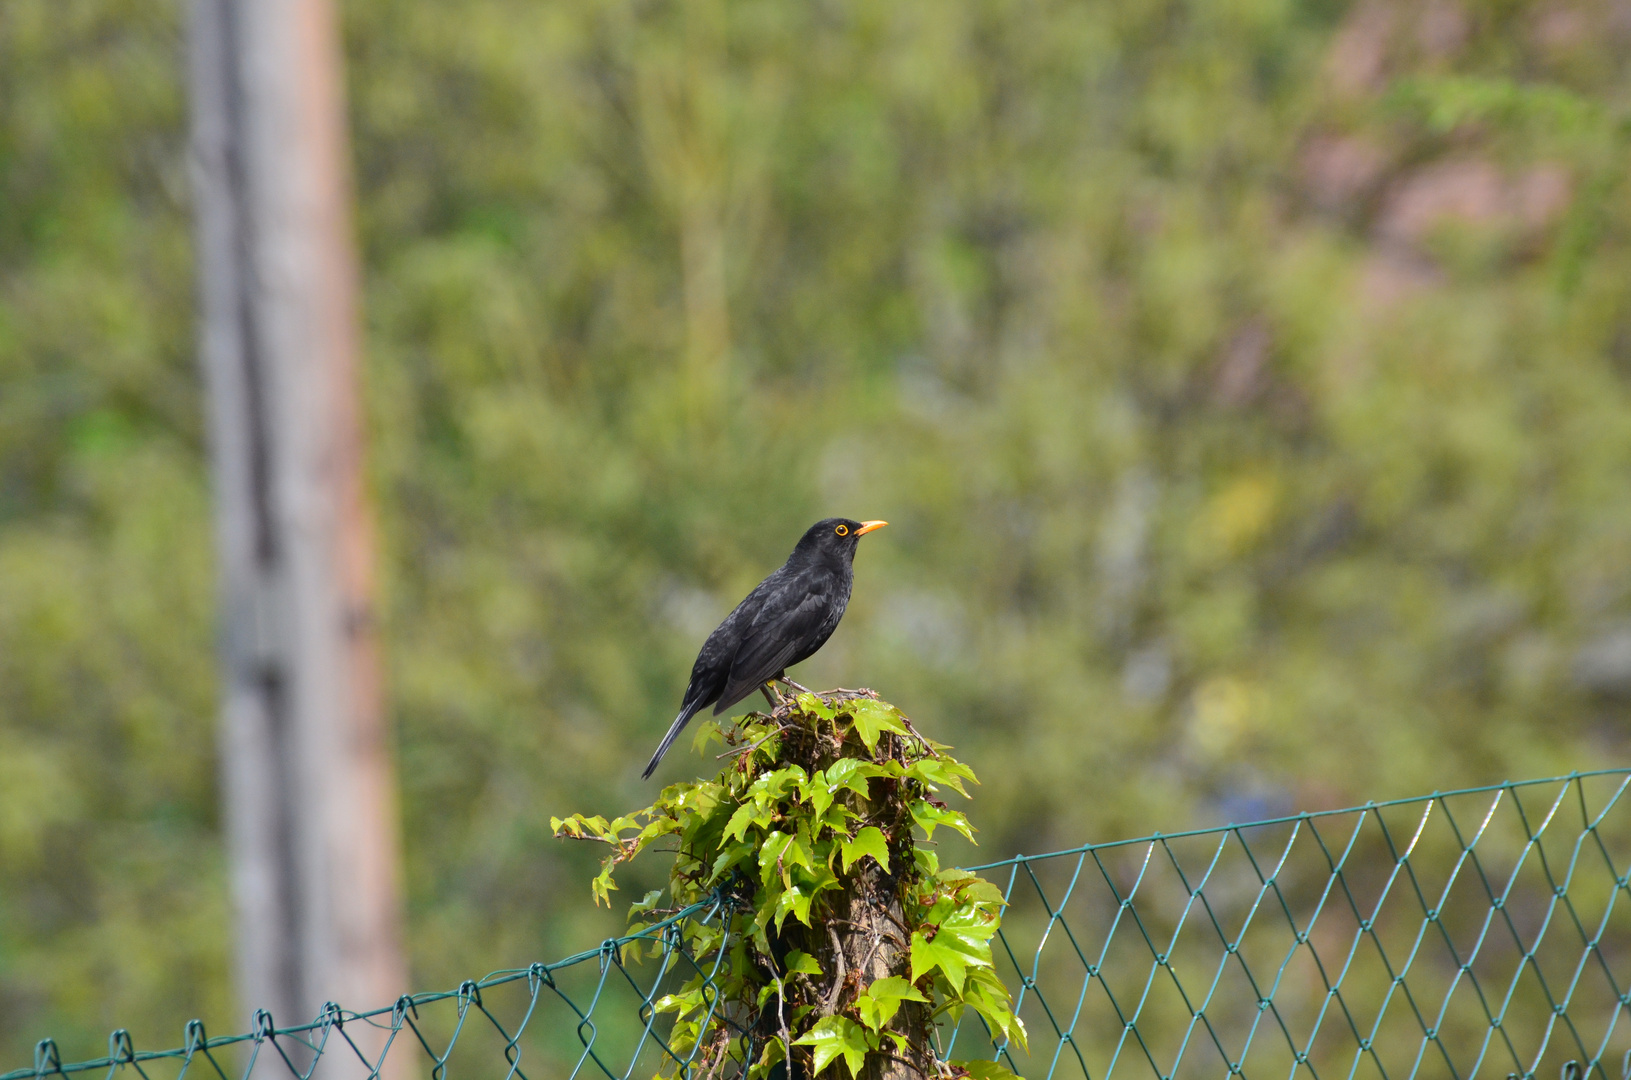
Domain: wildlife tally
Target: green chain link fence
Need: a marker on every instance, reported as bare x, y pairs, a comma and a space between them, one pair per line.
1478, 933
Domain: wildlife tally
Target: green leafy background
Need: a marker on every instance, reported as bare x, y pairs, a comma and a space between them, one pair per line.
1246, 383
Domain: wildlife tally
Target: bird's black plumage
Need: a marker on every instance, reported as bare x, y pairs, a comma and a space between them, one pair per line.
785, 619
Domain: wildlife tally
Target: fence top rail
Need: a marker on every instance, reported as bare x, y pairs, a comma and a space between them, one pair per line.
1306, 815
400, 1013
121, 1052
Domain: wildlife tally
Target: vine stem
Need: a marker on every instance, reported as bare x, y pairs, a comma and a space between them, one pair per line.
843, 972
750, 749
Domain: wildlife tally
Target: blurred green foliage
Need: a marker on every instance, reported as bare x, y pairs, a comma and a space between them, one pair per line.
1246, 383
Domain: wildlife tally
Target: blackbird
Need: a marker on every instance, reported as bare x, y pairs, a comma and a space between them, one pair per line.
785, 619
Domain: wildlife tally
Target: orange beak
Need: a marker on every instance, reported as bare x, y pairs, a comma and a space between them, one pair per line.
868, 526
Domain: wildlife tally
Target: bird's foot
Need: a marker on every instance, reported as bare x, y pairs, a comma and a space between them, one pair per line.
776, 701
796, 686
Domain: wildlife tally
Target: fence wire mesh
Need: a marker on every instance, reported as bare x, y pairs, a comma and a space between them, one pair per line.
1480, 933
1477, 933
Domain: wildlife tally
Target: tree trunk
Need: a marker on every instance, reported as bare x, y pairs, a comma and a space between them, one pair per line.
863, 936
874, 945
306, 776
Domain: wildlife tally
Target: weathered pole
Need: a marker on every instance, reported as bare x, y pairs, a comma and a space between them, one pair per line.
306, 776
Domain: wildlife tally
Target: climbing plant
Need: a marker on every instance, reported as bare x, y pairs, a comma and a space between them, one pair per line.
843, 939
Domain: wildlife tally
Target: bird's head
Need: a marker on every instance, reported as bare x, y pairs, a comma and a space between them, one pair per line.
836, 536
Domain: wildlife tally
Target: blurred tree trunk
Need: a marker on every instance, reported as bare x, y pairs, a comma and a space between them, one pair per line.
308, 789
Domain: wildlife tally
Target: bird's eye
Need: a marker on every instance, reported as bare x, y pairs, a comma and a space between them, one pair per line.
842, 530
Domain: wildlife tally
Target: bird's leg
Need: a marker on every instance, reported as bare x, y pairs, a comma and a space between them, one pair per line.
801, 689
775, 702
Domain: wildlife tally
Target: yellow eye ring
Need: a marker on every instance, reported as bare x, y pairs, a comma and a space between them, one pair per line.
842, 530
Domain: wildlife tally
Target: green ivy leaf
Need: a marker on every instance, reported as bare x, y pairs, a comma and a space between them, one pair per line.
989, 997
872, 719
795, 902
577, 825
816, 792
814, 706
929, 816
770, 851
869, 841
837, 819
880, 1001
802, 963
961, 941
974, 923
700, 797
837, 1036
774, 1053
821, 881
942, 771
749, 814
966, 885
851, 774
684, 1035
603, 886
705, 734
929, 954
776, 784
702, 938
795, 854
660, 827
680, 1003
731, 856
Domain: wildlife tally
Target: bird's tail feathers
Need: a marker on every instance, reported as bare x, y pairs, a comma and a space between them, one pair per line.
674, 730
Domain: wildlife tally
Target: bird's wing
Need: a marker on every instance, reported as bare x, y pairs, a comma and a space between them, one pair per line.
783, 634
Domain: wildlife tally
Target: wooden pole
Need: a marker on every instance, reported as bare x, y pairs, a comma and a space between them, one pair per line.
306, 775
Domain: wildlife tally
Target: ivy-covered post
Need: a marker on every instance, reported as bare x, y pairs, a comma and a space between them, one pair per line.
869, 939
844, 940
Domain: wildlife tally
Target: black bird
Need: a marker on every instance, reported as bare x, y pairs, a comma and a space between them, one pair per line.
785, 619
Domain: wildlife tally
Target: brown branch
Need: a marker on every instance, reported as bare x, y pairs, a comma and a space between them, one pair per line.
755, 746
838, 979
921, 740
877, 942
781, 1018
